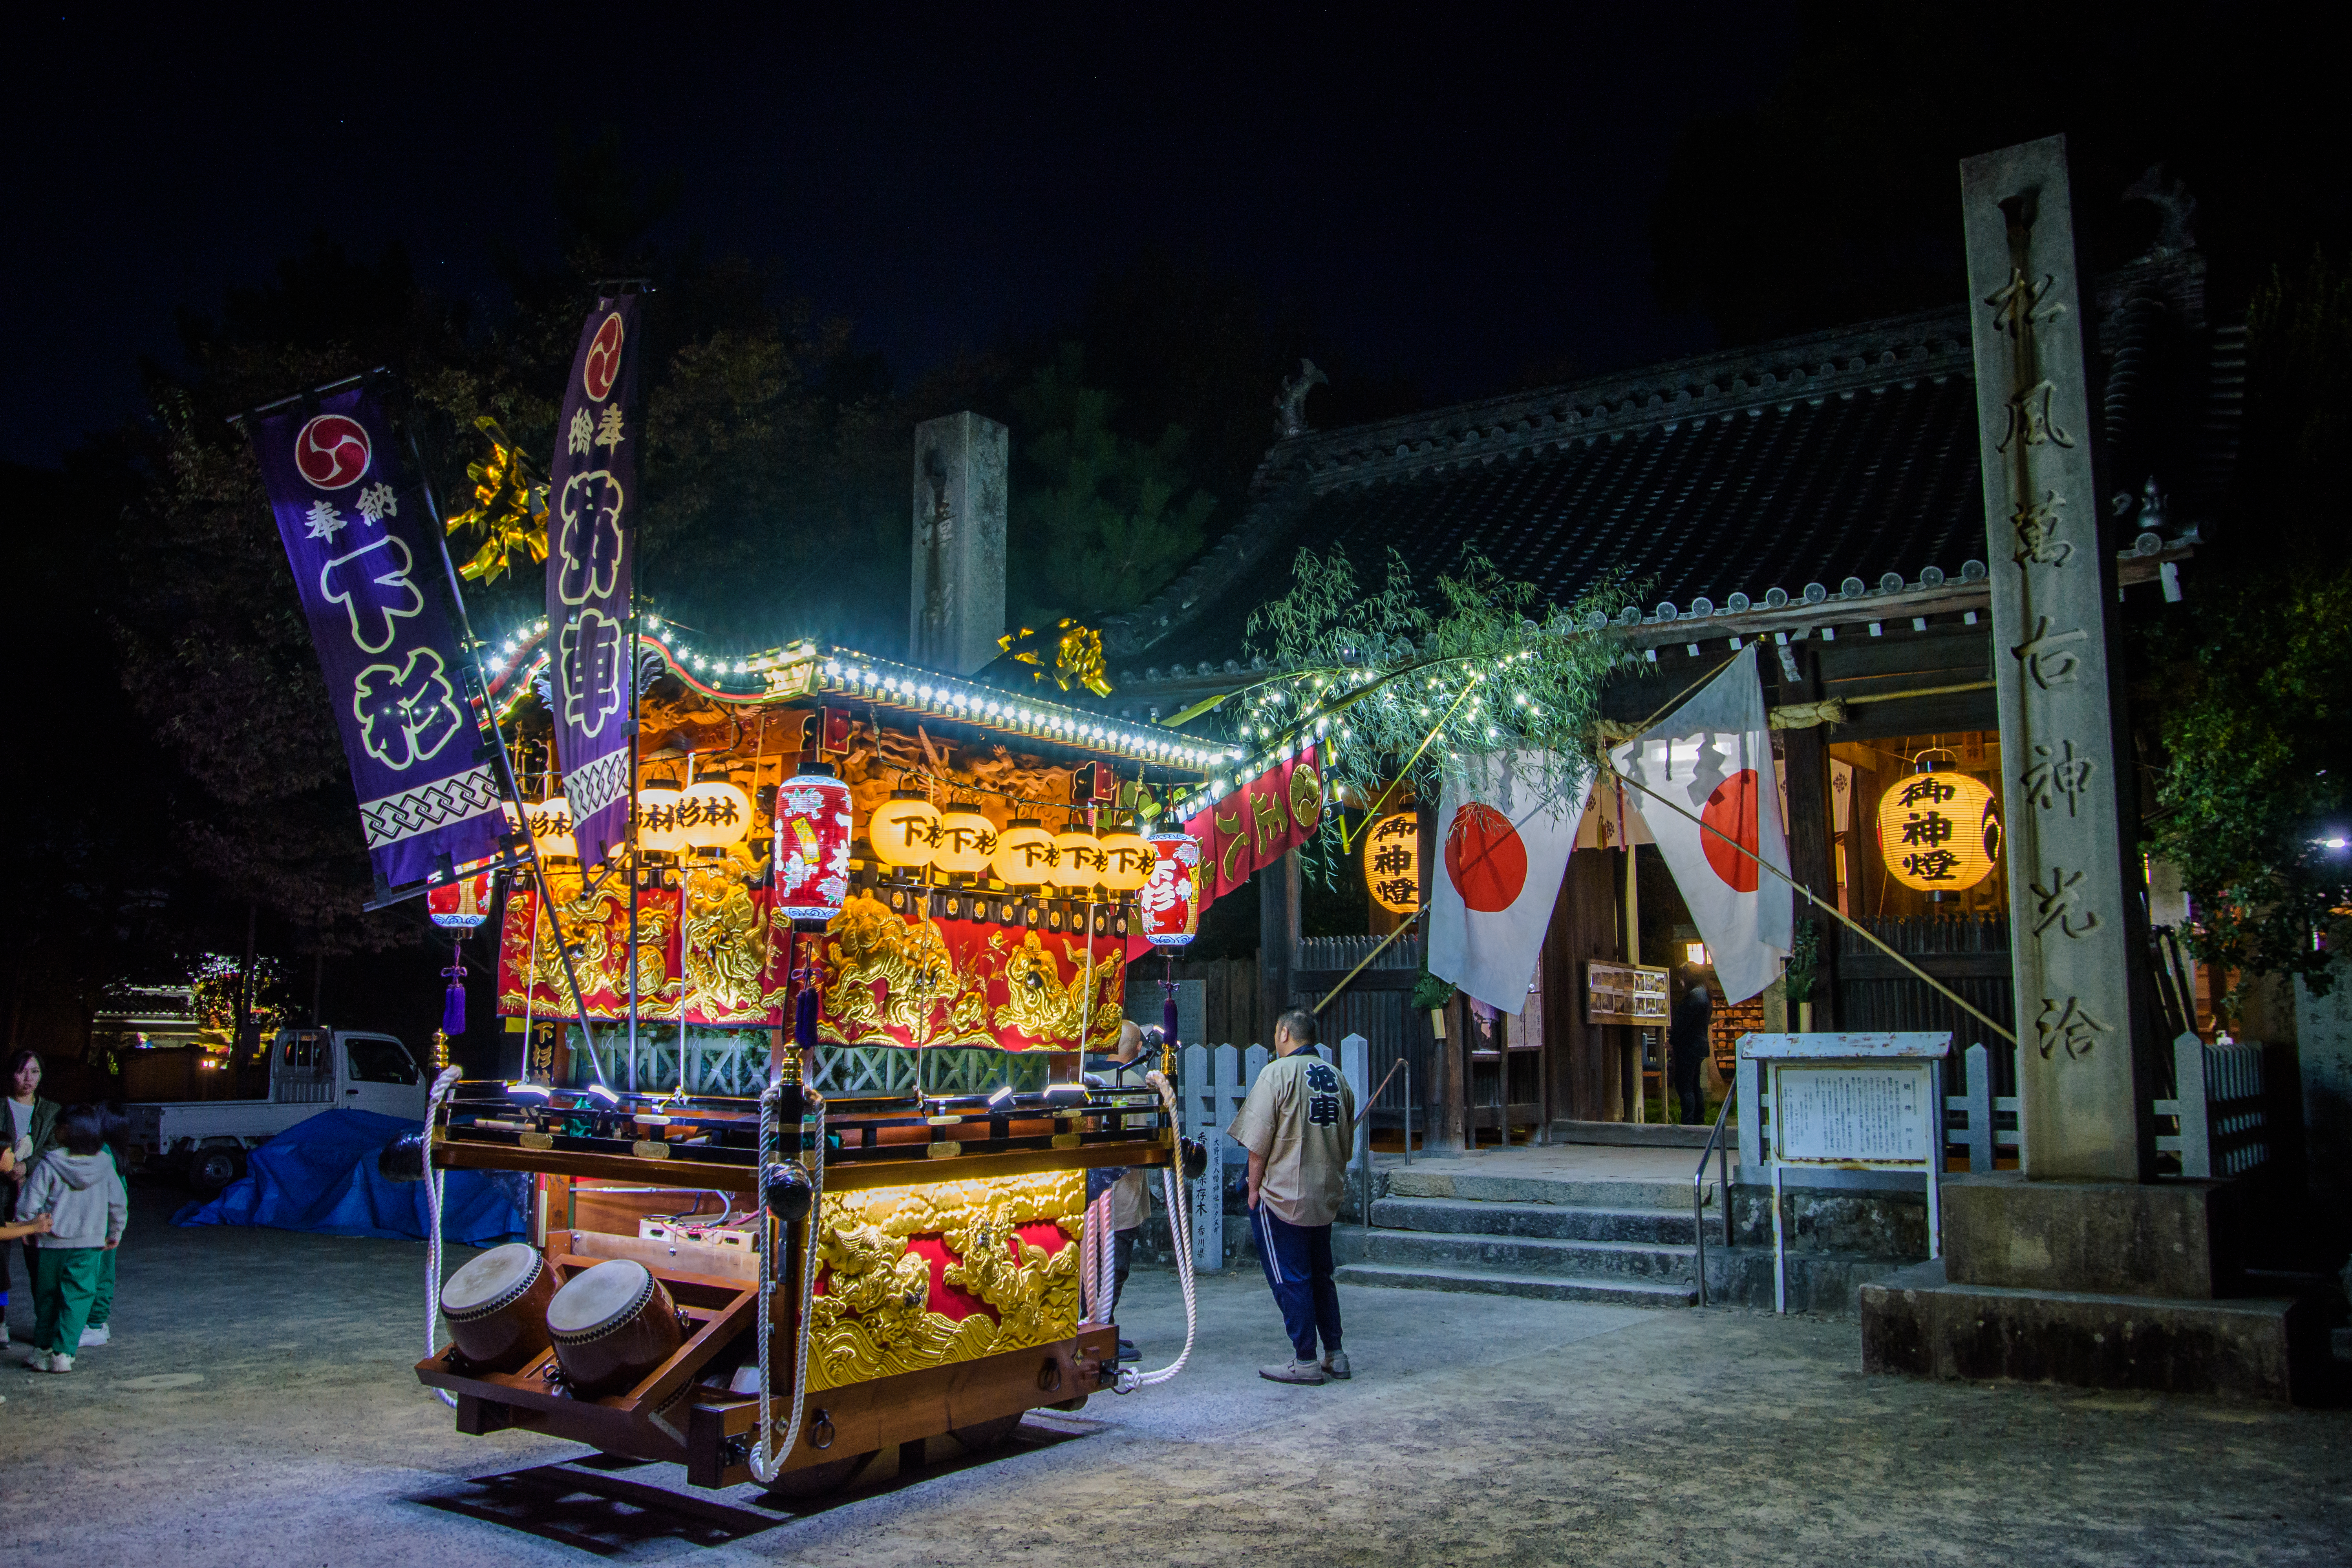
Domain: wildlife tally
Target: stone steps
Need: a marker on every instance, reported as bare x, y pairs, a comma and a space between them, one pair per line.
1421, 1181
1547, 1237
1526, 1256
1535, 1287
1550, 1221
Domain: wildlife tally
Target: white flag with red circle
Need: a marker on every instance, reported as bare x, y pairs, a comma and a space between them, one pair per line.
1713, 758
1505, 840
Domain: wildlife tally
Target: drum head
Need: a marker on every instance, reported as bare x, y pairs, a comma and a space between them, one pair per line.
496, 1275
598, 1298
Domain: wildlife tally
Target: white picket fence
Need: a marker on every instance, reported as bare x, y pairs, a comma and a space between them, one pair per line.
2221, 1111
1212, 1086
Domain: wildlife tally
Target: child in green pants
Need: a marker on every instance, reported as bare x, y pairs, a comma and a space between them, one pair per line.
78, 1188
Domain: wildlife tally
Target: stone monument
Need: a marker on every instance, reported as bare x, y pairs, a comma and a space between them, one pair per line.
2081, 1267
957, 609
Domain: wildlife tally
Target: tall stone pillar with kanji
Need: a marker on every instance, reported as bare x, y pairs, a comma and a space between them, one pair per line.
2076, 919
957, 612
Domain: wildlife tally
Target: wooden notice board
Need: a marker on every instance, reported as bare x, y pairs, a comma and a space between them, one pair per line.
1624, 993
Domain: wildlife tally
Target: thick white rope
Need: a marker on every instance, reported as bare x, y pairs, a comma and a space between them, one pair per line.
1180, 1231
434, 1097
767, 1464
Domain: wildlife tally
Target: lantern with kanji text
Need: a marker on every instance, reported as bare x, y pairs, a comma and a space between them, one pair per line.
813, 821
1025, 853
903, 830
1170, 896
1392, 862
1938, 832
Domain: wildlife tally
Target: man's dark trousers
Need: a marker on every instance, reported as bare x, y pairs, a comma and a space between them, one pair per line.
1687, 1091
1298, 1263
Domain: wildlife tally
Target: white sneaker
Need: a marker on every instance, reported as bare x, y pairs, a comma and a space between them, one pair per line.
1334, 1365
98, 1336
4, 1335
55, 1361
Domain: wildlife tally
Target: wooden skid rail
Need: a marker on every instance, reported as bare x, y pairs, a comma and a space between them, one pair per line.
646, 1422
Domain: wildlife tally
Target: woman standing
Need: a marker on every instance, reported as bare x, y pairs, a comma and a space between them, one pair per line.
31, 1131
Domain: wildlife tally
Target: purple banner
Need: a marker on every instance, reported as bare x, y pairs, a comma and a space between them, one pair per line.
363, 554
591, 549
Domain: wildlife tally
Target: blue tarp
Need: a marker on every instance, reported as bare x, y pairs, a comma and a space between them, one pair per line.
320, 1176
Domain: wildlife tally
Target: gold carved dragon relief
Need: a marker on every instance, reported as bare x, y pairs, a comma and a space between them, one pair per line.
589, 918
872, 1319
725, 948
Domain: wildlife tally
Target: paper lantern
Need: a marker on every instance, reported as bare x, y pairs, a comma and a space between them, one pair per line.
811, 847
1392, 862
1939, 832
712, 814
462, 904
1126, 861
1172, 894
966, 841
658, 829
1025, 853
550, 828
903, 830
1078, 860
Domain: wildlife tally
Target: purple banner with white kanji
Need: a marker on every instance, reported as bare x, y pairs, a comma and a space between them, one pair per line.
591, 549
362, 555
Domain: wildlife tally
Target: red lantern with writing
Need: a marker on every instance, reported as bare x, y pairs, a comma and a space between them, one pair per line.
461, 905
1171, 897
811, 847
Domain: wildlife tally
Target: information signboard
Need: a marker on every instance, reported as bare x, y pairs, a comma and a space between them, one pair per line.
1851, 1102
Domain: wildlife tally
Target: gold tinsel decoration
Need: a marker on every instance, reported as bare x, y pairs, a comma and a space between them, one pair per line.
509, 508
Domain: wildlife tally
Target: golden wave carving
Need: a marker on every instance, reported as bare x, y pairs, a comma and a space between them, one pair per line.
872, 1320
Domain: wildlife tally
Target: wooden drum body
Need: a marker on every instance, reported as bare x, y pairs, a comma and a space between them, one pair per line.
496, 1307
611, 1326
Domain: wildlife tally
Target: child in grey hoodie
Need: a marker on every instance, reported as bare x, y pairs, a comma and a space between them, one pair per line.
78, 1188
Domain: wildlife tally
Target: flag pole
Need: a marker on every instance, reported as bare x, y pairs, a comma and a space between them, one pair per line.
506, 772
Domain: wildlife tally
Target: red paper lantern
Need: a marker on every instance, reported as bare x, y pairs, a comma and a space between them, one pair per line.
1172, 894
461, 905
811, 847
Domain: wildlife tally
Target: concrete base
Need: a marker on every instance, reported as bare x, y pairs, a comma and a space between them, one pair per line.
2170, 1241
2261, 1351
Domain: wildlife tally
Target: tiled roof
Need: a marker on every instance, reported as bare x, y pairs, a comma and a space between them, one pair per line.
1846, 459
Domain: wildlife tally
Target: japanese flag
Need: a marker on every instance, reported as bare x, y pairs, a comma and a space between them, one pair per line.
1504, 842
1713, 758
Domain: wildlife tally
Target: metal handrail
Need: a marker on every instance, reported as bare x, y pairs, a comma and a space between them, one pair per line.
1717, 1146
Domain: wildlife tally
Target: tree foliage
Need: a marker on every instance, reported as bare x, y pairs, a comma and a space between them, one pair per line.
2258, 726
1103, 518
1408, 682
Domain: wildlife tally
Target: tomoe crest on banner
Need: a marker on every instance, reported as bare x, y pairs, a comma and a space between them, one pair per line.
385, 644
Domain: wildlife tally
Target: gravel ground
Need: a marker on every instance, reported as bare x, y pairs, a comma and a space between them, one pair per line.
257, 1407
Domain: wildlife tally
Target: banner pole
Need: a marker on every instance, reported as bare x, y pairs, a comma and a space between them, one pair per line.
506, 772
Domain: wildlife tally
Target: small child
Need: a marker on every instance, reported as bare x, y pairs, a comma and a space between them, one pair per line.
77, 1189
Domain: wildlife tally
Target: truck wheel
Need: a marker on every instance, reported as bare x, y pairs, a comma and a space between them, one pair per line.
211, 1169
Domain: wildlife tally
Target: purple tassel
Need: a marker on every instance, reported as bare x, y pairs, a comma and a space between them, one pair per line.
452, 1001
805, 1019
1168, 1017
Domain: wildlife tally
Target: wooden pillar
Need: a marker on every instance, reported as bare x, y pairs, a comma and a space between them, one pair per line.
1812, 857
1277, 938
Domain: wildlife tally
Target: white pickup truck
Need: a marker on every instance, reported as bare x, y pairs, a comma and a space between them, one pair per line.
310, 1071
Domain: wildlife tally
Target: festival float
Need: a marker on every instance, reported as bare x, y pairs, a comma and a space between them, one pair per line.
859, 858
919, 894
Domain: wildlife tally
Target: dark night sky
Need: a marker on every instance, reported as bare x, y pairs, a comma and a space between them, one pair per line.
1454, 194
